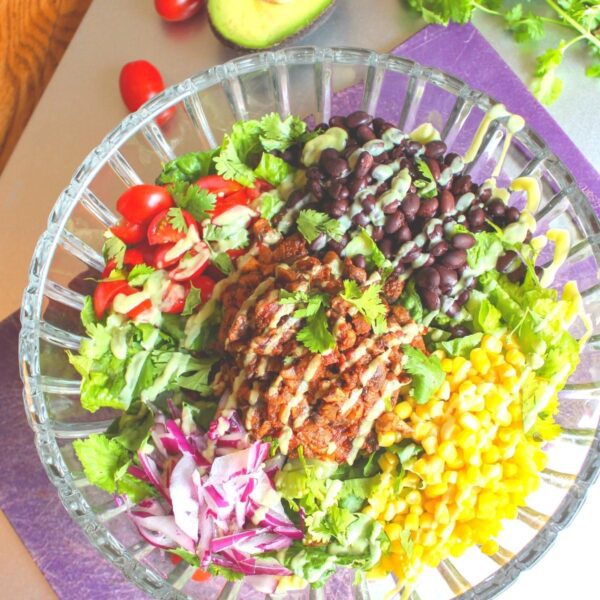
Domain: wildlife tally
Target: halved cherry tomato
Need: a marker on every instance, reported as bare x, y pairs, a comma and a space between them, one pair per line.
139, 309
141, 253
224, 204
130, 233
161, 230
177, 10
160, 261
192, 264
260, 186
173, 300
139, 81
108, 269
218, 185
205, 284
141, 202
105, 292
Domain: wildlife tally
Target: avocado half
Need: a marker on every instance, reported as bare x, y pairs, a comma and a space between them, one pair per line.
260, 24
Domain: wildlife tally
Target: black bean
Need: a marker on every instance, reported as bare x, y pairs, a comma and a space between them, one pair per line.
461, 185
413, 147
382, 158
393, 222
528, 237
430, 260
485, 195
398, 152
518, 274
385, 245
378, 122
448, 278
314, 185
322, 127
337, 167
459, 331
412, 255
463, 241
364, 134
338, 121
350, 149
453, 259
319, 242
450, 157
428, 278
357, 184
462, 297
338, 190
295, 197
428, 208
392, 207
359, 261
339, 208
363, 164
403, 234
539, 271
399, 269
431, 300
410, 205
506, 262
327, 155
435, 149
447, 202
361, 219
436, 234
369, 203
512, 215
439, 249
358, 118
377, 233
314, 173
434, 167
496, 208
453, 309
476, 217
338, 246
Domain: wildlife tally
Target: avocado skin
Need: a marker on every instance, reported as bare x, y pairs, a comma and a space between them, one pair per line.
284, 42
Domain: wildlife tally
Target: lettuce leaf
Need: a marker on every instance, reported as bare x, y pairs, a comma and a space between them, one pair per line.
461, 346
273, 169
188, 167
426, 372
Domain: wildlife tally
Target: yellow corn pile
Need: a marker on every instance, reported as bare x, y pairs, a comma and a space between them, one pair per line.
477, 467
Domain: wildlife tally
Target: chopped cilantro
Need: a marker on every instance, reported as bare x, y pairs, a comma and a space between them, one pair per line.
368, 303
177, 220
193, 299
312, 223
223, 262
426, 187
139, 274
426, 371
195, 200
114, 249
230, 166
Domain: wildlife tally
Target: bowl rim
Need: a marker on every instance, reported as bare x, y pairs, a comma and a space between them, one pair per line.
33, 395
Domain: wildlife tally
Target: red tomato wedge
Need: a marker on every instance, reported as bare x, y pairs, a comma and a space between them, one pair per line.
108, 269
160, 260
141, 202
139, 309
215, 184
192, 264
260, 186
129, 233
161, 230
139, 81
173, 300
142, 253
224, 204
205, 284
177, 10
105, 292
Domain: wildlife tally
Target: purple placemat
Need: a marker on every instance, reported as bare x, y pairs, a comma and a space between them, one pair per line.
70, 564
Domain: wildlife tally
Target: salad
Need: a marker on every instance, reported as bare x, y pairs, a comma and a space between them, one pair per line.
327, 347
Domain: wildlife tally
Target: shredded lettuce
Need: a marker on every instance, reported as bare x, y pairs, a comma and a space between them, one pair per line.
273, 169
461, 346
363, 243
188, 167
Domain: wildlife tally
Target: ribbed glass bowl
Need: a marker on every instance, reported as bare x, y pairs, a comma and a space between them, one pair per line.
305, 81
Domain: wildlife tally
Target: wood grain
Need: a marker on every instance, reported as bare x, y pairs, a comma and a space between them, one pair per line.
33, 37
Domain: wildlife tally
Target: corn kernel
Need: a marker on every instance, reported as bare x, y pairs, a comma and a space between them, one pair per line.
393, 531
491, 343
429, 539
490, 547
386, 439
412, 522
444, 391
447, 365
430, 444
469, 421
400, 506
480, 360
447, 450
504, 371
413, 498
515, 358
403, 409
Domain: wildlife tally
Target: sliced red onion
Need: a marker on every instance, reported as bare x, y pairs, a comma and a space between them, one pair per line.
166, 526
184, 496
152, 473
137, 472
267, 584
227, 541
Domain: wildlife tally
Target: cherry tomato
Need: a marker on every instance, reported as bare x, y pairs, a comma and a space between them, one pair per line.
141, 253
237, 252
130, 233
161, 230
173, 300
218, 185
140, 203
139, 81
260, 186
140, 308
205, 284
108, 269
192, 265
104, 293
224, 204
200, 575
160, 257
177, 10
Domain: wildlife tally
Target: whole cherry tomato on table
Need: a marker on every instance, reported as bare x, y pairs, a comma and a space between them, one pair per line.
177, 10
139, 81
140, 203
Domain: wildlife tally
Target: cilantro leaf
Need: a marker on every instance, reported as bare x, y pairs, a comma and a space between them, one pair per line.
368, 303
461, 346
101, 458
177, 220
227, 237
312, 223
114, 249
223, 262
426, 187
279, 134
195, 200
139, 274
230, 166
363, 243
426, 371
593, 70
269, 204
316, 335
192, 300
525, 26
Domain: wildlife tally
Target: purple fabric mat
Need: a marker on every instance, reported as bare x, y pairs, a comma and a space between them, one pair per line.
71, 565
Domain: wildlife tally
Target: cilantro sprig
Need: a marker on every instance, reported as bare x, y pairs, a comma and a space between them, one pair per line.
315, 335
427, 186
311, 224
195, 200
368, 303
580, 17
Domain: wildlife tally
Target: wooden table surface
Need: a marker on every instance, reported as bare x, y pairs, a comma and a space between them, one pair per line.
33, 37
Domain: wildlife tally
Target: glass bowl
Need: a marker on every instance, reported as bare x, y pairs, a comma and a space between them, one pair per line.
317, 83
